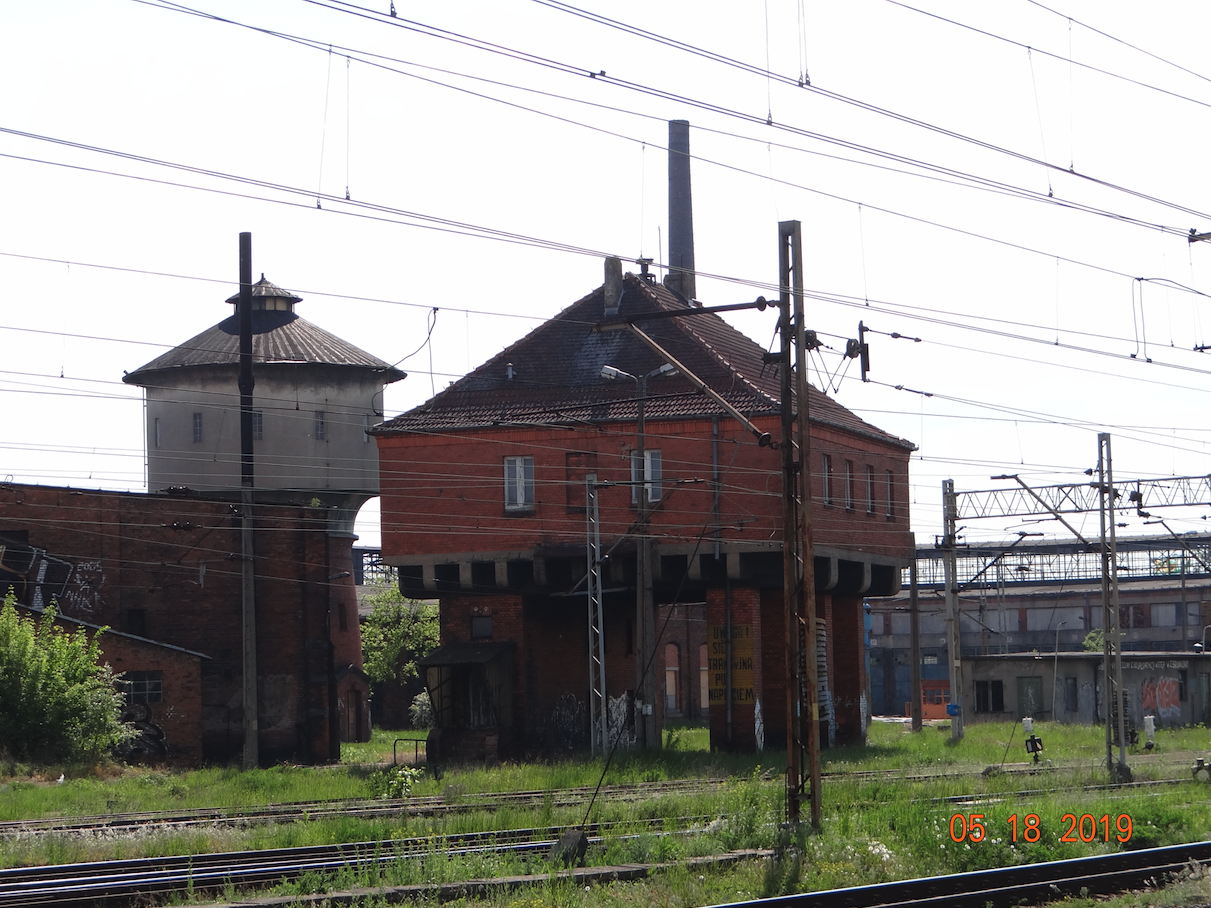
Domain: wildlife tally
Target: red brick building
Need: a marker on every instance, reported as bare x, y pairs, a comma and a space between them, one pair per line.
484, 507
164, 572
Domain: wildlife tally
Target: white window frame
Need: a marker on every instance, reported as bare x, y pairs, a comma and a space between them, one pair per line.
849, 485
519, 483
891, 498
653, 474
826, 482
870, 489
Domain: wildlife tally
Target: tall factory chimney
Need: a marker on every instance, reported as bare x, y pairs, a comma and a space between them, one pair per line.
681, 212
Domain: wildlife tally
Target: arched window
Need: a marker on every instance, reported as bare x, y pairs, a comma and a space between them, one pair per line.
672, 679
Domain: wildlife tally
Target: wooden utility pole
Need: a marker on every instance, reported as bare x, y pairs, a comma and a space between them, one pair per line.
798, 568
251, 722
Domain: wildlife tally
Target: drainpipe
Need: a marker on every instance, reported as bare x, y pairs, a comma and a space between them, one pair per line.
727, 620
715, 479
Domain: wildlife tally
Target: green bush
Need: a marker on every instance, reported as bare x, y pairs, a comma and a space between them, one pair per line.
57, 700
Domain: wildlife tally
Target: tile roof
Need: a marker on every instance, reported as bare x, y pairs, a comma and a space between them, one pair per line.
278, 336
556, 374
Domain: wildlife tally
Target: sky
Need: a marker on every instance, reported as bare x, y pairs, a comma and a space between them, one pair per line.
1011, 183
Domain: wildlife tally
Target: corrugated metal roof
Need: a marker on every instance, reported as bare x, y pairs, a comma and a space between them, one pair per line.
556, 374
278, 336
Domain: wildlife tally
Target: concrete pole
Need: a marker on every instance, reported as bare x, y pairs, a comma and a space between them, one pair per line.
954, 648
914, 644
251, 756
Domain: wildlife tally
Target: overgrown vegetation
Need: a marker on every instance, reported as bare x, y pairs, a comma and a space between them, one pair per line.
58, 701
894, 825
396, 634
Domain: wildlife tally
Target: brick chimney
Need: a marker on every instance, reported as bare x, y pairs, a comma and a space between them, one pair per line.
681, 212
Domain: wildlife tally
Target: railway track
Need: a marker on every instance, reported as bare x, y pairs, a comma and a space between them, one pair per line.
369, 809
1008, 886
145, 880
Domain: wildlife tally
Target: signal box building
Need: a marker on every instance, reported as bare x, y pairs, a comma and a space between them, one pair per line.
484, 508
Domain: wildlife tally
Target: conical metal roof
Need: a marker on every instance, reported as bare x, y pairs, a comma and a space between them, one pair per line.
279, 336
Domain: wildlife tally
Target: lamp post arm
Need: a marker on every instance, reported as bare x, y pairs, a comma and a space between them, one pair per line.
763, 438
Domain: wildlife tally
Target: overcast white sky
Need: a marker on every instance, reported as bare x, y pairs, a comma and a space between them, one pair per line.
1035, 333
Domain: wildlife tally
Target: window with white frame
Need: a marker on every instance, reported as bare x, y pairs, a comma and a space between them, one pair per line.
826, 480
870, 489
849, 485
519, 483
891, 496
652, 475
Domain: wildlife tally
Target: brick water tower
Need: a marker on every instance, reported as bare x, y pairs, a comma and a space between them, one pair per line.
315, 397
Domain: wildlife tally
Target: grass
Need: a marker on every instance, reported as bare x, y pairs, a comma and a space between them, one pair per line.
874, 829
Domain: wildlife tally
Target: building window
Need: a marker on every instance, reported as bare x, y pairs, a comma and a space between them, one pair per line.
672, 677
481, 627
519, 483
1183, 678
258, 425
367, 425
1070, 704
143, 687
849, 485
704, 680
990, 697
826, 467
652, 475
891, 496
155, 432
197, 428
870, 489
321, 430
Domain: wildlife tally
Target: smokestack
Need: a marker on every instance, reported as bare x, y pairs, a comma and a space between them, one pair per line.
681, 212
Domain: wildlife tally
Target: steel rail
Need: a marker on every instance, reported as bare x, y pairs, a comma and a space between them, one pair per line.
119, 882
314, 810
1007, 886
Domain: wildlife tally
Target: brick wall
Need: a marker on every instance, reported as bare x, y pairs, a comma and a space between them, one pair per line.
749, 664
441, 497
168, 569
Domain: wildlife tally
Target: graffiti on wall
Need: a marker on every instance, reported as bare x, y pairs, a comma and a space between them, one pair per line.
82, 595
1161, 697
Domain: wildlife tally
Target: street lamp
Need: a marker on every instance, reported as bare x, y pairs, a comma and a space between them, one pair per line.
1055, 676
1202, 647
645, 624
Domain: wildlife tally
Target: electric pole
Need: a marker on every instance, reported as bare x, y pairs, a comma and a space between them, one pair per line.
248, 576
798, 568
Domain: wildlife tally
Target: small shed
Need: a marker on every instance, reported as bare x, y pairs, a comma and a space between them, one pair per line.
1067, 687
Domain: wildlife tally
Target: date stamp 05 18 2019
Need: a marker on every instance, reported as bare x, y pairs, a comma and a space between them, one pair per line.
1085, 828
